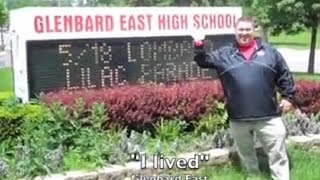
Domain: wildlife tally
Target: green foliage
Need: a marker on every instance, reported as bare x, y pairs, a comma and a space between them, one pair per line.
307, 12
168, 132
15, 4
82, 132
289, 16
91, 142
5, 96
74, 161
48, 140
98, 116
3, 14
169, 129
212, 122
167, 2
11, 121
38, 154
6, 84
13, 116
16, 120
33, 112
209, 124
295, 14
60, 124
92, 147
260, 9
56, 139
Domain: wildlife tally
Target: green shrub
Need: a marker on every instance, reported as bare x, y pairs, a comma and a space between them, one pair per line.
11, 121
49, 139
168, 130
13, 117
212, 122
74, 161
5, 96
59, 138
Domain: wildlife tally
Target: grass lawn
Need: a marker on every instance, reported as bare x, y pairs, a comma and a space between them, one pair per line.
306, 165
6, 83
298, 41
306, 76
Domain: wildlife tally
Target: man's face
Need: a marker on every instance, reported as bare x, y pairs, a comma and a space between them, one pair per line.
244, 33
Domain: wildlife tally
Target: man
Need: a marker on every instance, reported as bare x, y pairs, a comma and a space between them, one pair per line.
250, 70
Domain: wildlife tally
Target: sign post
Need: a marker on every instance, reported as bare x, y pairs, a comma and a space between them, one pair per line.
96, 47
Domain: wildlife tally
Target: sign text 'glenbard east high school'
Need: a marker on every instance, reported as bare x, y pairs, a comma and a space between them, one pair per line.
128, 22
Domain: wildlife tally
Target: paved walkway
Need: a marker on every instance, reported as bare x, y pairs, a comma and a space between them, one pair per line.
2, 59
298, 60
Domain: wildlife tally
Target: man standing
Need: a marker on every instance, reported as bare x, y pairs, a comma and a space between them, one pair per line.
250, 70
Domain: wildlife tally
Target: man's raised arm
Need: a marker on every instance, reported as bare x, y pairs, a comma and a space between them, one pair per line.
202, 58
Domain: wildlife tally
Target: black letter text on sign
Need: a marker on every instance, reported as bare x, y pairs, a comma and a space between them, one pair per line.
97, 63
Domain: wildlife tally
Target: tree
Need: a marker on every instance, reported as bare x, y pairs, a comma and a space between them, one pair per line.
300, 14
261, 10
168, 2
3, 19
288, 16
15, 4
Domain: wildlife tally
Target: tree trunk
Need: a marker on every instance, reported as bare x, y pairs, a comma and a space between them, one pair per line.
264, 33
312, 49
2, 39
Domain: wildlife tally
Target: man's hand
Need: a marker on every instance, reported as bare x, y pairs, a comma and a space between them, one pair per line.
198, 39
198, 43
286, 106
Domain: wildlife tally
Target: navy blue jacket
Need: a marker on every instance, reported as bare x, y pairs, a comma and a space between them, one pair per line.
249, 86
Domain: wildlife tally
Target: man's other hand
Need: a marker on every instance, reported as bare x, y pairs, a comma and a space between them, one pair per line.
286, 106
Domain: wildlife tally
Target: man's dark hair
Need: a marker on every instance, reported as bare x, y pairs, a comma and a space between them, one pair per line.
246, 19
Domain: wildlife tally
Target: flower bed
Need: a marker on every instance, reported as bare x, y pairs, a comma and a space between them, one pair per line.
46, 137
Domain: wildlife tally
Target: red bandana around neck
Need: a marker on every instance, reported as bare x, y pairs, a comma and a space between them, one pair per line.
247, 51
